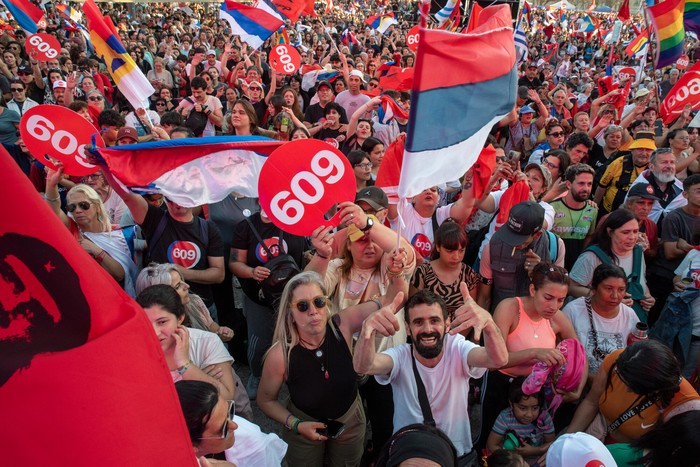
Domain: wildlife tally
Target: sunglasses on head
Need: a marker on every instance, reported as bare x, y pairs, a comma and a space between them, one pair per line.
224, 430
303, 306
83, 205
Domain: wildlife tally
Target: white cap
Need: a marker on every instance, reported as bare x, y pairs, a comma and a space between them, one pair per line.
358, 74
59, 84
211, 52
579, 450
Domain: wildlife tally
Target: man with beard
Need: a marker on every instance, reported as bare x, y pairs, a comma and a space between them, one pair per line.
661, 175
442, 362
574, 221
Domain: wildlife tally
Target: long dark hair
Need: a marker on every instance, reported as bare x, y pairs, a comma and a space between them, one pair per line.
614, 221
197, 399
675, 442
650, 370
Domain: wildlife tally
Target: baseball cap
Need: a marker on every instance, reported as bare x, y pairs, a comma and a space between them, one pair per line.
211, 52
24, 68
374, 196
643, 140
522, 92
358, 74
59, 84
324, 83
641, 93
579, 450
526, 109
642, 190
128, 132
532, 65
546, 174
524, 219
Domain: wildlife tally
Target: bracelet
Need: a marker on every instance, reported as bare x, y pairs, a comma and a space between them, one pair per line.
100, 257
296, 425
286, 422
57, 198
183, 369
376, 302
394, 274
320, 255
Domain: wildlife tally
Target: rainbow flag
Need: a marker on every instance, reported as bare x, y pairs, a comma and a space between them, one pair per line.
126, 75
667, 20
691, 16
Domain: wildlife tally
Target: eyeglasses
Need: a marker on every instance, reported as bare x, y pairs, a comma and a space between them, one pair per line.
83, 205
95, 98
160, 104
303, 306
255, 89
550, 165
557, 134
374, 85
364, 165
224, 430
17, 89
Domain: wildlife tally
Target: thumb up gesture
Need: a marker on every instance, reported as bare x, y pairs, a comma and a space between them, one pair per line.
470, 315
384, 320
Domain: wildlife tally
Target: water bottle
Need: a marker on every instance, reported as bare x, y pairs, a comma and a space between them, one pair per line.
638, 334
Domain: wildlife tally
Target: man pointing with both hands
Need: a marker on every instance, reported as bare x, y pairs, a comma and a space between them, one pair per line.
444, 362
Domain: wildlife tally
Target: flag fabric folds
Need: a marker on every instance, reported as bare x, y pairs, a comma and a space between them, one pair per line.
389, 172
474, 16
191, 171
638, 45
667, 20
623, 14
452, 112
389, 109
126, 74
253, 25
309, 79
69, 13
77, 351
397, 78
520, 43
444, 14
291, 9
691, 16
25, 13
679, 96
526, 12
349, 38
381, 22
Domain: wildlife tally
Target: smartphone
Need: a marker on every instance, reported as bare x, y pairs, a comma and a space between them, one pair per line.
514, 159
658, 127
333, 428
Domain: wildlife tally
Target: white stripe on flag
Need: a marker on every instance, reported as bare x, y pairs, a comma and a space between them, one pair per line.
520, 44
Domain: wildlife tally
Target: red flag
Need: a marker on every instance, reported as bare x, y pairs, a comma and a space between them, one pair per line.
591, 8
483, 169
681, 94
309, 8
624, 13
516, 193
548, 31
474, 17
390, 169
82, 376
292, 9
397, 78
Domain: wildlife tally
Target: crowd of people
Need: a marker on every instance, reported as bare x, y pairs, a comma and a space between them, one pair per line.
552, 317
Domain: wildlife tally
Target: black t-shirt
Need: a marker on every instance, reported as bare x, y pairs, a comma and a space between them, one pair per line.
245, 239
534, 84
314, 114
181, 244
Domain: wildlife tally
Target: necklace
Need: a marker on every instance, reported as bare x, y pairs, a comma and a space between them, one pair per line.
537, 328
318, 354
571, 216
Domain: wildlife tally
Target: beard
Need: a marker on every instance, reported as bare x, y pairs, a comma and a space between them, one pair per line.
580, 196
429, 351
664, 177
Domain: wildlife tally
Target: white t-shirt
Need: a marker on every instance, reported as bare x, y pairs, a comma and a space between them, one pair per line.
206, 349
612, 333
419, 229
690, 267
116, 207
213, 104
349, 102
446, 385
582, 271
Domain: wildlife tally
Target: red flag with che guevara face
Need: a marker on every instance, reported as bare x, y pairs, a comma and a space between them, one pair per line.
83, 380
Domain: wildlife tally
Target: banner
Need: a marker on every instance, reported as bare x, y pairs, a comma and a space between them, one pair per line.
685, 91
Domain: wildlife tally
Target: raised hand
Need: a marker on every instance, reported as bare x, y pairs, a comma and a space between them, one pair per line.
384, 320
470, 315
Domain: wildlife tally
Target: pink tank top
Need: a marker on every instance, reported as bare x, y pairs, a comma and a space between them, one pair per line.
528, 334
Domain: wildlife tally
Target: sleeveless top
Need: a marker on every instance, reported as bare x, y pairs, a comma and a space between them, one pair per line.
523, 338
309, 389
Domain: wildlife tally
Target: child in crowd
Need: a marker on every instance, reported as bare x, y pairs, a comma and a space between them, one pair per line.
524, 426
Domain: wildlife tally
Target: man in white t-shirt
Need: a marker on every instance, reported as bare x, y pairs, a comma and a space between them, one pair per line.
444, 361
352, 99
201, 102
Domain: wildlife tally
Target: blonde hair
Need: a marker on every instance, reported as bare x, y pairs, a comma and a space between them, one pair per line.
102, 214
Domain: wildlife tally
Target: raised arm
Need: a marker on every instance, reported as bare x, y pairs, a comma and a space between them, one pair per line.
366, 360
136, 204
51, 195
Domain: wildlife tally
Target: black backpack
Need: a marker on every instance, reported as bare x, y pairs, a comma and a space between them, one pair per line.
196, 121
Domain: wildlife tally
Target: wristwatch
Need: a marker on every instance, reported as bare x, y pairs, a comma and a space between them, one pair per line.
183, 369
370, 224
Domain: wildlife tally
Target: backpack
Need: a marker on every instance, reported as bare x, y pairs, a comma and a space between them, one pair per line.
196, 121
282, 268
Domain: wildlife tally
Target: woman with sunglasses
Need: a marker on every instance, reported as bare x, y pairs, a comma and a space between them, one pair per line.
531, 326
214, 427
312, 355
555, 140
90, 224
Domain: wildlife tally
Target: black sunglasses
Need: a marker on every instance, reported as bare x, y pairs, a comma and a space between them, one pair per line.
224, 431
303, 306
557, 134
83, 205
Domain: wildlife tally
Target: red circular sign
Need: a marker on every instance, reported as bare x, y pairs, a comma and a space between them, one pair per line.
43, 47
52, 132
186, 254
682, 62
627, 73
413, 38
284, 59
422, 244
301, 181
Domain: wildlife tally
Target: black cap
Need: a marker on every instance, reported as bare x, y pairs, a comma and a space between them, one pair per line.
324, 83
522, 92
642, 190
24, 67
374, 196
524, 219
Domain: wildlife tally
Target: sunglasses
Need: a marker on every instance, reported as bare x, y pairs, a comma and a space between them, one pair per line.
83, 205
224, 430
303, 306
557, 134
160, 104
22, 73
17, 89
256, 89
95, 98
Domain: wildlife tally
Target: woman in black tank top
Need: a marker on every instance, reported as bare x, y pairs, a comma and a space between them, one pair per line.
311, 354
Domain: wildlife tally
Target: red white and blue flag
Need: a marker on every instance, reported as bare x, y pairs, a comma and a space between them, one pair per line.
381, 22
25, 13
452, 112
191, 171
390, 109
349, 38
254, 25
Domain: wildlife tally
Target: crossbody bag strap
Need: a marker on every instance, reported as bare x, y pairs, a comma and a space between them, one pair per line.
597, 353
422, 395
630, 413
255, 231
